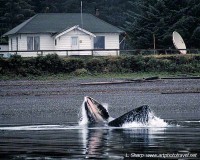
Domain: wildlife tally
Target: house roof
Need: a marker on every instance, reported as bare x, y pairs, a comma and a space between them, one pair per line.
55, 23
72, 28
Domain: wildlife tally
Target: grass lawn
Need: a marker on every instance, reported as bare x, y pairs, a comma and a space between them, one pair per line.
95, 76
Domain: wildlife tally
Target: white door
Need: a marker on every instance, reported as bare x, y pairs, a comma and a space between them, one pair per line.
74, 45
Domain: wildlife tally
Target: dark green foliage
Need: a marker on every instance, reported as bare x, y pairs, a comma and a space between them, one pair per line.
95, 65
2, 65
16, 65
12, 13
53, 64
134, 63
113, 64
50, 63
70, 65
160, 18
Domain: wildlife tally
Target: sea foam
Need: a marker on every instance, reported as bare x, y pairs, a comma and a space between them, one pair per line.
153, 121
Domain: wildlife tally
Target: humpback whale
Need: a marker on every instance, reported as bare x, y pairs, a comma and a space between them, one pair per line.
94, 112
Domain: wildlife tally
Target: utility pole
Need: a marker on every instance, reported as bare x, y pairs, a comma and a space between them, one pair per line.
81, 14
154, 43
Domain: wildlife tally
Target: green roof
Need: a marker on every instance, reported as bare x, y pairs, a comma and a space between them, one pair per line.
56, 22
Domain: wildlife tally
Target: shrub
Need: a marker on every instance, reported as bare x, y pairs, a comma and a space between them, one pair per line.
16, 65
95, 65
2, 65
187, 68
182, 60
113, 64
15, 62
80, 72
164, 64
80, 66
51, 63
70, 65
135, 63
154, 64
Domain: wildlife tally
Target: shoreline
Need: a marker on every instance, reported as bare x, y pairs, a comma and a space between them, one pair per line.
161, 85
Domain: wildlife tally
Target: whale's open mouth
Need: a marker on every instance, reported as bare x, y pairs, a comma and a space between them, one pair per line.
95, 111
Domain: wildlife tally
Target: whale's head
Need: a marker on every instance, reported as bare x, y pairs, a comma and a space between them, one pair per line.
95, 112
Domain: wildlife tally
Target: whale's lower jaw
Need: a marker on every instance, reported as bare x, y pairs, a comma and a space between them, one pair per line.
139, 115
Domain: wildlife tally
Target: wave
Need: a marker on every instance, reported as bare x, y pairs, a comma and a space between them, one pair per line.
39, 127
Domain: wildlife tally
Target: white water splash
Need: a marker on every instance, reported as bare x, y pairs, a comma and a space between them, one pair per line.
83, 119
154, 122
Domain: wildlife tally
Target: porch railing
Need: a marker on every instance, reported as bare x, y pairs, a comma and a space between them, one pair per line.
97, 52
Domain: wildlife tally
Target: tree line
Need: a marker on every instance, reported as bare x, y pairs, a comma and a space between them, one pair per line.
141, 19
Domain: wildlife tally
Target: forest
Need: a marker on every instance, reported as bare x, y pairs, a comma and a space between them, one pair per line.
141, 19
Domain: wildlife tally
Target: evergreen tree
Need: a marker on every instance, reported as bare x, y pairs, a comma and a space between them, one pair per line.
161, 18
12, 13
3, 24
16, 11
141, 19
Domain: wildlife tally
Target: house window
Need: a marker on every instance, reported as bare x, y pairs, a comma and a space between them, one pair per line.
37, 43
29, 43
33, 43
99, 42
55, 42
74, 41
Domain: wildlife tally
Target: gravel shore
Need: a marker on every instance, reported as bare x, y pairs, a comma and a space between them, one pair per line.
58, 102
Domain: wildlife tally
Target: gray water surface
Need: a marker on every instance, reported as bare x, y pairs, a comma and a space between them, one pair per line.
73, 142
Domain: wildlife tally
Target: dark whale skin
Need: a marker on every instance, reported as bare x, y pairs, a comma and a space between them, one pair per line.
140, 114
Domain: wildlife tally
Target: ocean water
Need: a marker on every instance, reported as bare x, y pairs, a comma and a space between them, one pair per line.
172, 139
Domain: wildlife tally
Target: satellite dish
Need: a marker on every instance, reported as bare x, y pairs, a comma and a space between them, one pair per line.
179, 43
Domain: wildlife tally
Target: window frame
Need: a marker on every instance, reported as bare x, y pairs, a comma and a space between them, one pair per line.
74, 40
33, 43
99, 42
36, 42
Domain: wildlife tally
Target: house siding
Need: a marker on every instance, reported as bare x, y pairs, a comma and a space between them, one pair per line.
12, 43
49, 26
111, 42
47, 42
4, 48
84, 42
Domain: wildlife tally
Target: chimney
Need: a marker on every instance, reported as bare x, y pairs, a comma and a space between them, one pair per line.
96, 12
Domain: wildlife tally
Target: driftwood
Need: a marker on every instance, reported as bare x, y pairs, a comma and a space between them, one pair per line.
149, 79
103, 83
183, 77
179, 92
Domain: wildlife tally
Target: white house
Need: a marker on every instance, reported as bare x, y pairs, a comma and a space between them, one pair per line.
63, 33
